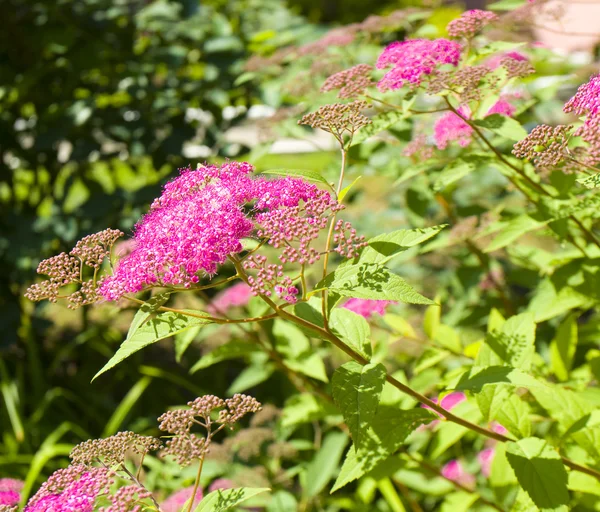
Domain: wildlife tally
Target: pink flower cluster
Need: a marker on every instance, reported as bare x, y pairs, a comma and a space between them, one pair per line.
10, 490
413, 59
368, 307
450, 127
202, 216
586, 102
470, 23
73, 489
455, 471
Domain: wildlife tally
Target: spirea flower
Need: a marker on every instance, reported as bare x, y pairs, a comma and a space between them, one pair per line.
351, 82
414, 59
545, 145
9, 498
418, 149
449, 402
368, 307
586, 101
470, 23
496, 60
485, 458
455, 471
237, 295
178, 499
128, 498
338, 119
73, 489
202, 216
451, 127
113, 450
335, 37
65, 269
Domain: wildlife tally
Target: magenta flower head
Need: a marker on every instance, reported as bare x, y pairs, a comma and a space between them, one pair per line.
202, 216
10, 490
455, 471
177, 500
368, 307
586, 101
449, 402
414, 59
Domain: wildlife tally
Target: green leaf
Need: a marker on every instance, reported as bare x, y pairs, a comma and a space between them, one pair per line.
383, 248
231, 350
506, 5
460, 501
344, 192
504, 126
592, 181
562, 348
226, 499
146, 311
371, 281
514, 343
389, 429
453, 172
282, 501
303, 408
356, 391
251, 376
163, 325
475, 379
183, 340
120, 413
310, 364
307, 174
352, 329
500, 403
513, 229
379, 123
540, 472
325, 464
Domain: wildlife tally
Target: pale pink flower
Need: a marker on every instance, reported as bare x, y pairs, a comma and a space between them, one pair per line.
496, 60
9, 498
499, 429
177, 500
221, 483
235, 296
368, 307
485, 458
451, 127
414, 59
455, 471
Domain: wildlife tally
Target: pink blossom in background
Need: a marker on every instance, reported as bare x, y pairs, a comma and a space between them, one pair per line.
177, 500
499, 429
455, 471
502, 107
485, 458
237, 295
368, 307
221, 483
10, 489
9, 498
413, 59
451, 127
451, 400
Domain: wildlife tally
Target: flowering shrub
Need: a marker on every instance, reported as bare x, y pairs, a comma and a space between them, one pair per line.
469, 387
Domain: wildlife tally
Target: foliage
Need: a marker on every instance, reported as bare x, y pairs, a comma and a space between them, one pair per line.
446, 361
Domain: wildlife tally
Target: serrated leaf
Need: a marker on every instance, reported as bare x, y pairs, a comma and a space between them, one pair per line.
307, 174
514, 342
379, 123
562, 348
592, 181
452, 173
325, 464
352, 329
231, 350
475, 379
147, 310
161, 326
383, 248
513, 229
504, 126
371, 281
540, 472
388, 431
226, 499
356, 391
